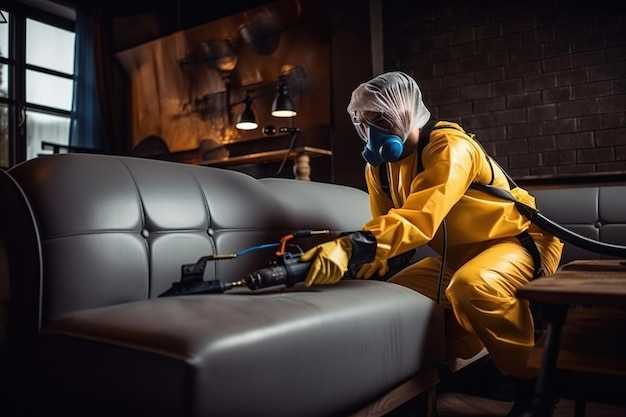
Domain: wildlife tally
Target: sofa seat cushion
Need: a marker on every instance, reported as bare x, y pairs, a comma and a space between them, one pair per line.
279, 352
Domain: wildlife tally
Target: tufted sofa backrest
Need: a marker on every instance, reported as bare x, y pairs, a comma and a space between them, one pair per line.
84, 231
598, 213
95, 230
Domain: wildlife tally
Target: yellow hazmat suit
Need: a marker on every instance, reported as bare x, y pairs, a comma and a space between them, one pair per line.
485, 263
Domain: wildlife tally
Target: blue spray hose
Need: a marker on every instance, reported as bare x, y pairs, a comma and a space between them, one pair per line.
258, 247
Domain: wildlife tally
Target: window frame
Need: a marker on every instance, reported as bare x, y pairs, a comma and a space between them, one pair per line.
16, 100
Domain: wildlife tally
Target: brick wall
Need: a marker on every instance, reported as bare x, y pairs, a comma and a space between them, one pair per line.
541, 84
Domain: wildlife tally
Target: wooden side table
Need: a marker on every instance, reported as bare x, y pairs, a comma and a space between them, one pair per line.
584, 306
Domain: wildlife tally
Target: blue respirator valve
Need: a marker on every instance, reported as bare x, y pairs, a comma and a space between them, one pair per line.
382, 147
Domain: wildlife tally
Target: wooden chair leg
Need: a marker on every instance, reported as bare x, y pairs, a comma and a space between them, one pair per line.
431, 402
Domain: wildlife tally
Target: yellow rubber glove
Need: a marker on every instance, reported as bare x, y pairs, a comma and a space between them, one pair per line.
366, 271
329, 261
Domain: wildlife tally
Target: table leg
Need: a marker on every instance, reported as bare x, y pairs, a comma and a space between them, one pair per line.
580, 408
543, 403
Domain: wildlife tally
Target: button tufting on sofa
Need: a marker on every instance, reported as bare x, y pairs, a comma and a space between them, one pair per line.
92, 240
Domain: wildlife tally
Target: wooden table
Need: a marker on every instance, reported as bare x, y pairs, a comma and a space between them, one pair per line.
584, 306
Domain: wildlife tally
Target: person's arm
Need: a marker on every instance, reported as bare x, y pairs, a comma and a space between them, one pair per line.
451, 164
449, 169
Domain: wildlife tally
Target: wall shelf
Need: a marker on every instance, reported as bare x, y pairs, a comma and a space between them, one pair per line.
268, 156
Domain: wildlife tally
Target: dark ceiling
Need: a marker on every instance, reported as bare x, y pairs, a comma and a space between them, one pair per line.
168, 7
173, 14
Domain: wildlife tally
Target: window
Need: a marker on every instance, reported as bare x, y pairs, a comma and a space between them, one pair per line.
4, 90
36, 82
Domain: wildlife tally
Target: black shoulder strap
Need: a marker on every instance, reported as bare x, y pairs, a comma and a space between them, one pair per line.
384, 179
423, 141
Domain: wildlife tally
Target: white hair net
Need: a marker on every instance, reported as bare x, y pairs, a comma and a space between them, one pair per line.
396, 96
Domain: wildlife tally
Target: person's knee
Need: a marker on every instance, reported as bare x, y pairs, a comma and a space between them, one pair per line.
461, 290
471, 294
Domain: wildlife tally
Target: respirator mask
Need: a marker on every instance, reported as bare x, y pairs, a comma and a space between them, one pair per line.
382, 146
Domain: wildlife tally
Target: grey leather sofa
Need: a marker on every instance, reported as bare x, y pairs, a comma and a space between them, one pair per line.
92, 240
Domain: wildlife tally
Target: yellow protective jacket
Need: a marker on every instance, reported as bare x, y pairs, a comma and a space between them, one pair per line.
452, 161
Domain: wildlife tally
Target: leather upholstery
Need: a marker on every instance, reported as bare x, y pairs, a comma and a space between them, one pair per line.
303, 352
92, 240
595, 212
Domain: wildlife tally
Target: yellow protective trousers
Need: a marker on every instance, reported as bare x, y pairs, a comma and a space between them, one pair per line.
479, 285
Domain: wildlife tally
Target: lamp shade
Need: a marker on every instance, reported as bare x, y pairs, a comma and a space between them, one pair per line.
220, 54
283, 105
247, 119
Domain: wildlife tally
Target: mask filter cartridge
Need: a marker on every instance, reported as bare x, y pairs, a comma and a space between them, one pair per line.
382, 147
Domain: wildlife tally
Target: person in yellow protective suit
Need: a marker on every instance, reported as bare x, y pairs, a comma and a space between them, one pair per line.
485, 261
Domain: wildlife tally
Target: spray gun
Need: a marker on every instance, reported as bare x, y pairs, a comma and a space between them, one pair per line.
285, 269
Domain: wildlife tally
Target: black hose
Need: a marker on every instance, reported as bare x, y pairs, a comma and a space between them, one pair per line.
443, 261
576, 239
